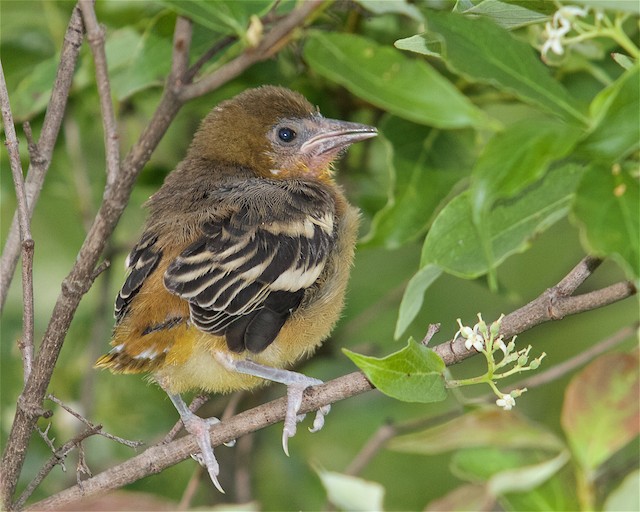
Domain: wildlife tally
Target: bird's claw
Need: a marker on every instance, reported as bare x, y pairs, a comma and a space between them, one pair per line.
295, 393
199, 428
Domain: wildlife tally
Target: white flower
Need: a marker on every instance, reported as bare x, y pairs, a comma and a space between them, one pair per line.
507, 402
559, 27
502, 346
472, 336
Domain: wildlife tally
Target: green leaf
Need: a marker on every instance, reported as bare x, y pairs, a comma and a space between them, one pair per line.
453, 242
413, 296
615, 114
454, 245
413, 374
514, 159
222, 16
34, 90
385, 77
469, 49
507, 471
526, 478
417, 185
606, 208
507, 15
352, 493
601, 409
488, 426
140, 62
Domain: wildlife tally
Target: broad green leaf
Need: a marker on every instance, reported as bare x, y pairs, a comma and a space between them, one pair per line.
601, 409
146, 63
222, 16
517, 157
615, 114
526, 478
348, 492
413, 374
484, 427
392, 7
469, 49
606, 207
385, 77
453, 244
507, 15
414, 296
556, 493
418, 183
626, 496
480, 464
34, 90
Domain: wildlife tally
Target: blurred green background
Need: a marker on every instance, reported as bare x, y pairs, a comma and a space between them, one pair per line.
131, 408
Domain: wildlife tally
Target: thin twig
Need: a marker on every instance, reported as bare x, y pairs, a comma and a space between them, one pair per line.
58, 457
48, 136
91, 425
95, 37
270, 43
25, 343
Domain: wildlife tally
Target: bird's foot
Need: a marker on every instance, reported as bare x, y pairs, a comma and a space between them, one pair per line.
296, 384
199, 428
295, 393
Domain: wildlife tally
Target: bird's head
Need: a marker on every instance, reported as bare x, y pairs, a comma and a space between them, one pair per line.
276, 133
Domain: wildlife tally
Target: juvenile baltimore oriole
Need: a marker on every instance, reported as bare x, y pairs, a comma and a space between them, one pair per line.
243, 263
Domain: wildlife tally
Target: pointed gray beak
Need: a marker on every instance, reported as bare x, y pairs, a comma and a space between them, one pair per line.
332, 135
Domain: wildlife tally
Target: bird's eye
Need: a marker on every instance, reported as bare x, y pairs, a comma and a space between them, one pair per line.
286, 134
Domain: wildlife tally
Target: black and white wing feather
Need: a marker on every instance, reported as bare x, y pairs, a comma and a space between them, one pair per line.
243, 279
142, 260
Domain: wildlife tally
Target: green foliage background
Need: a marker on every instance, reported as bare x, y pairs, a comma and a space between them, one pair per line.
492, 176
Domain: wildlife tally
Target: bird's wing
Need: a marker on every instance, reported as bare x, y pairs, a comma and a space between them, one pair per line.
142, 260
245, 275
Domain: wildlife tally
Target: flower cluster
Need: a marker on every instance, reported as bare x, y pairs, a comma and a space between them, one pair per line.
488, 341
572, 25
561, 24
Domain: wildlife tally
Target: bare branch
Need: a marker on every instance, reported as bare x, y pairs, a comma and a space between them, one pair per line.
26, 342
48, 135
553, 304
95, 37
271, 43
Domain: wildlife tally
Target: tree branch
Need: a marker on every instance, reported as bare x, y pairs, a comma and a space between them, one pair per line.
26, 342
48, 135
95, 37
159, 457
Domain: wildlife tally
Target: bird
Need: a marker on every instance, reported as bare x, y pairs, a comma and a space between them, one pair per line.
243, 262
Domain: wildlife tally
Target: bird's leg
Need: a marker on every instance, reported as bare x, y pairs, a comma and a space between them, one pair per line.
199, 428
296, 384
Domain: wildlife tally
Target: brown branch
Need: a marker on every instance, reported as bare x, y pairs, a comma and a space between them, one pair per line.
95, 37
554, 304
159, 457
115, 198
48, 135
270, 44
25, 344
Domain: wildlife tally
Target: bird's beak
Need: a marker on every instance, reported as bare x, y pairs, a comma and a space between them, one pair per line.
331, 136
